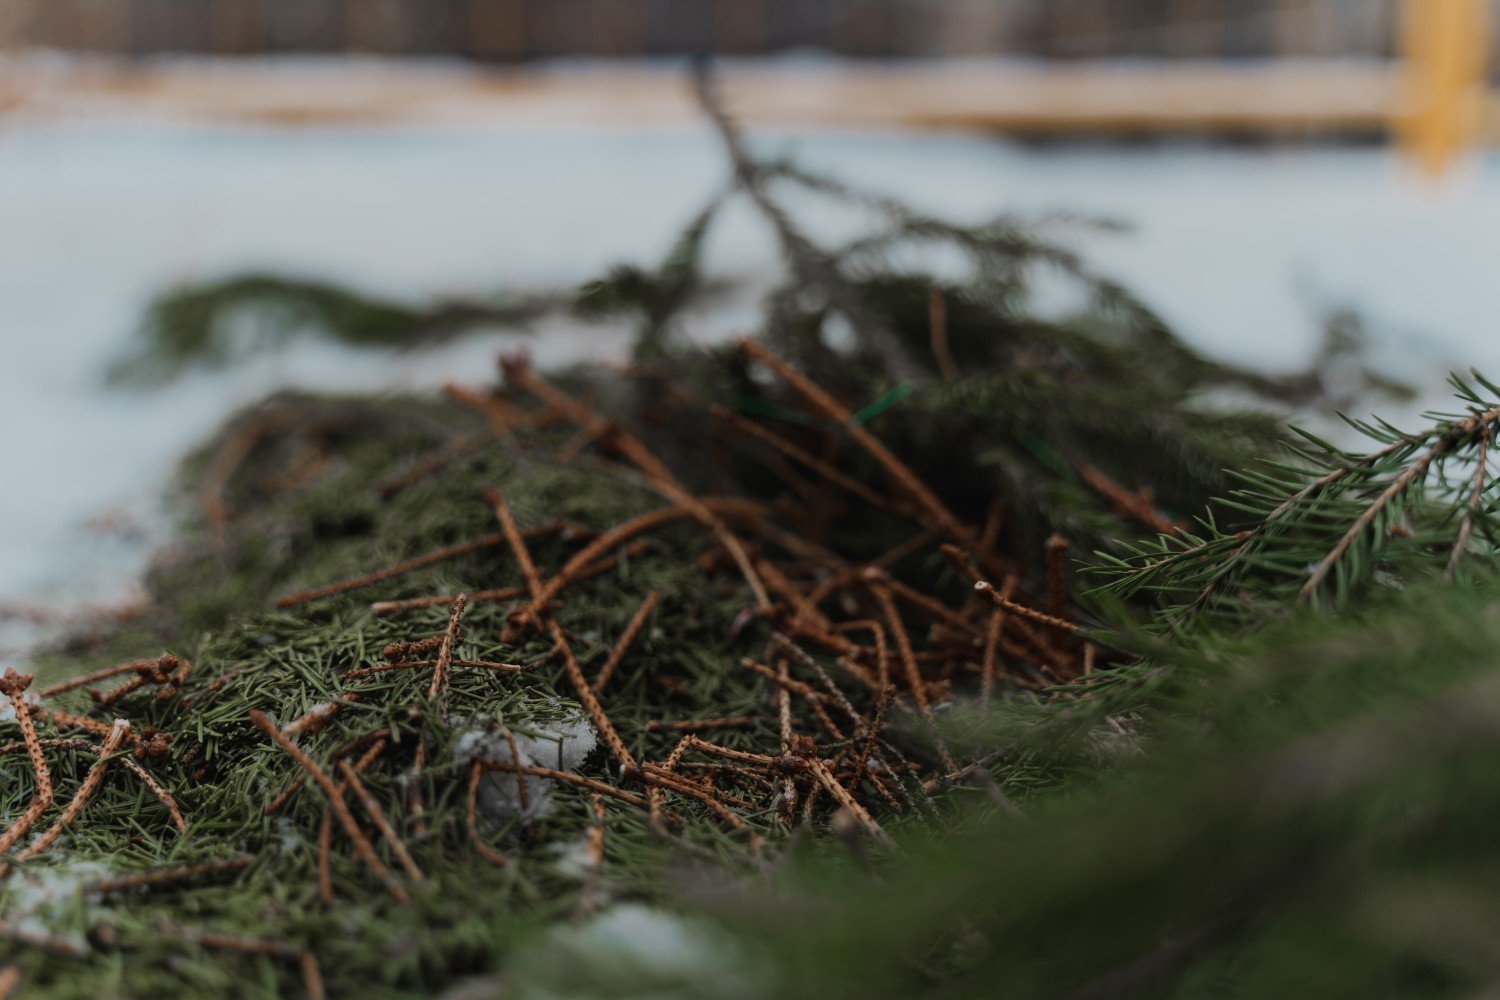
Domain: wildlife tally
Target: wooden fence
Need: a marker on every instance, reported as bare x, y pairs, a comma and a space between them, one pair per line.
515, 30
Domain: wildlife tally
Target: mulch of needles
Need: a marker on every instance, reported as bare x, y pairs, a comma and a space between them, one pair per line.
284, 802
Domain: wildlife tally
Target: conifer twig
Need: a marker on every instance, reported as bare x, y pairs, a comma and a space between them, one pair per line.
622, 645
377, 816
494, 857
812, 267
160, 876
445, 651
937, 328
661, 478
936, 511
117, 733
362, 844
1461, 543
1402, 482
13, 685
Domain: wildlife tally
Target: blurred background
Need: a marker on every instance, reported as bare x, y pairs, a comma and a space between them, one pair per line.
1279, 167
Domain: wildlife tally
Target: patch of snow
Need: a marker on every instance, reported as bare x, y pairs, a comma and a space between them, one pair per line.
52, 901
562, 744
658, 953
8, 710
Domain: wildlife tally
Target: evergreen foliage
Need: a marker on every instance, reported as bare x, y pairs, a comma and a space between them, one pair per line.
1248, 757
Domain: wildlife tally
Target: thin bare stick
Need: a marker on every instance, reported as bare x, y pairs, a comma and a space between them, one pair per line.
567, 777
590, 703
377, 816
661, 478
841, 794
937, 512
456, 448
1136, 506
491, 665
1057, 564
1461, 543
445, 652
862, 766
312, 976
395, 570
226, 942
13, 685
494, 857
784, 721
160, 876
699, 725
162, 795
587, 901
84, 680
1022, 611
117, 733
798, 454
913, 675
937, 328
622, 645
417, 603
622, 533
362, 845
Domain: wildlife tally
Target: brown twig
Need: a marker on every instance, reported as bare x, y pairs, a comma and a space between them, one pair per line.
417, 603
501, 415
117, 733
312, 976
160, 876
1057, 562
825, 470
1136, 506
587, 901
494, 857
937, 328
377, 816
575, 568
226, 942
496, 666
13, 685
567, 777
162, 795
699, 725
456, 448
1461, 543
83, 680
362, 845
445, 651
913, 675
936, 511
392, 571
622, 645
628, 445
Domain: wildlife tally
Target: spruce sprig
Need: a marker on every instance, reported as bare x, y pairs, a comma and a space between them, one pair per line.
1327, 522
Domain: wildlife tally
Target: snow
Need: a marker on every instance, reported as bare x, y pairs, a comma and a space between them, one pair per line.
47, 901
1240, 248
562, 744
659, 953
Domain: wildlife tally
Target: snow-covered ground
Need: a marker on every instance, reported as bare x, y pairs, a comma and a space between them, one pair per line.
1239, 248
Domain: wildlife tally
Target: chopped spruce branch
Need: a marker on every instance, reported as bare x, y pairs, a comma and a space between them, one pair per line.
217, 323
1329, 523
458, 677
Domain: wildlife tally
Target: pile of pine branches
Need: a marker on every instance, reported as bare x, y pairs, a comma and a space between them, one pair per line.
971, 652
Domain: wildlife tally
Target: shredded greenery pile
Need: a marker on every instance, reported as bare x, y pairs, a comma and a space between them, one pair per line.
1016, 661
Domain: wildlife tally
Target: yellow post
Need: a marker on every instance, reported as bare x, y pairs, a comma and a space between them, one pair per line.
1445, 48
